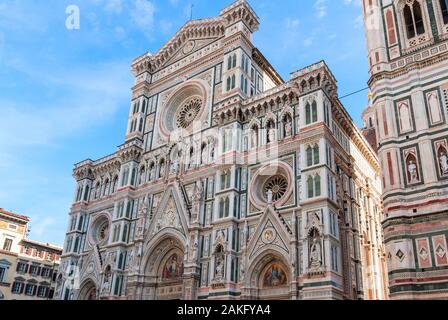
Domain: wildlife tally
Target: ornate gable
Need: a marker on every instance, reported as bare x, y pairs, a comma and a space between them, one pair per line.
193, 36
170, 214
271, 232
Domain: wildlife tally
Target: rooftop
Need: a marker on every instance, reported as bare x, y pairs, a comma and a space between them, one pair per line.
14, 215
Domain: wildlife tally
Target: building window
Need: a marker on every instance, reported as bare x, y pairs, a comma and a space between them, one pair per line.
312, 155
311, 113
334, 258
22, 267
42, 292
224, 205
34, 270
444, 8
30, 289
45, 272
2, 274
7, 244
17, 287
413, 20
314, 186
225, 180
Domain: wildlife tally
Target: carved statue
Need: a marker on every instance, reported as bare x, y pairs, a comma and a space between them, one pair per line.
271, 135
219, 270
204, 156
152, 172
106, 284
254, 138
288, 128
412, 168
315, 254
444, 163
162, 170
198, 191
269, 196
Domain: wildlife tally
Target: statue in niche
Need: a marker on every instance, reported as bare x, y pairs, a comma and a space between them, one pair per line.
288, 127
106, 284
204, 159
254, 138
198, 191
152, 172
142, 214
443, 159
315, 254
413, 173
271, 135
219, 270
162, 169
269, 196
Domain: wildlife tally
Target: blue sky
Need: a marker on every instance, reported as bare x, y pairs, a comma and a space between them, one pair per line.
65, 94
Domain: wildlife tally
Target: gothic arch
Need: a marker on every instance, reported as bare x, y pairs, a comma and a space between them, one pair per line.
269, 275
89, 290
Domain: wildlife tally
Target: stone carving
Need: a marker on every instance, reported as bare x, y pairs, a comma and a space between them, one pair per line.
269, 196
288, 128
315, 255
412, 168
443, 163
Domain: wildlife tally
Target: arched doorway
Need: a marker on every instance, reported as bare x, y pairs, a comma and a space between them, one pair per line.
271, 279
164, 271
88, 291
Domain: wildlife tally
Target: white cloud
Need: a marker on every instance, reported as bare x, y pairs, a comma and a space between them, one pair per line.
142, 15
321, 8
308, 41
115, 6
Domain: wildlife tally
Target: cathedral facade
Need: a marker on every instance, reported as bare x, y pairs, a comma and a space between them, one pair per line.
408, 57
231, 183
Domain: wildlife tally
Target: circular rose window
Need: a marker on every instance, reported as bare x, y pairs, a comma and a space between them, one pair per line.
278, 185
99, 231
183, 108
272, 180
188, 112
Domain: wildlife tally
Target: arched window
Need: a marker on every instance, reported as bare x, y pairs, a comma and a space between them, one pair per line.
106, 188
413, 19
140, 126
314, 111
115, 184
229, 84
224, 205
316, 154
229, 63
310, 187
309, 156
144, 106
233, 81
444, 8
234, 60
204, 153
308, 113
151, 171
225, 180
317, 187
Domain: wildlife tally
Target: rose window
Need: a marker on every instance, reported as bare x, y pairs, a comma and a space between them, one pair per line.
188, 113
278, 185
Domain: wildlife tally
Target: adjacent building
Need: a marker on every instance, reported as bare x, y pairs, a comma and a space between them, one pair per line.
407, 43
231, 183
28, 269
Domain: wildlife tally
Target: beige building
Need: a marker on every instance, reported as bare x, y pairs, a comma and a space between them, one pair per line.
231, 183
13, 229
28, 269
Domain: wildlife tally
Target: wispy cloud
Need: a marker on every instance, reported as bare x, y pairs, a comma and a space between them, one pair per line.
321, 8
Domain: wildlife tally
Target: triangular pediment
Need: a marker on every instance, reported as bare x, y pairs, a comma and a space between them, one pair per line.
193, 36
270, 232
170, 214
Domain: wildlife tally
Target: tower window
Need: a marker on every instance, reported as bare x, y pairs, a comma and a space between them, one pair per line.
444, 8
413, 20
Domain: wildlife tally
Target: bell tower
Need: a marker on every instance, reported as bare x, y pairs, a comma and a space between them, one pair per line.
407, 51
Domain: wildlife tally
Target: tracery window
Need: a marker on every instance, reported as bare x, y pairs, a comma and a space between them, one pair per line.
311, 112
224, 207
312, 155
413, 19
444, 9
314, 186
